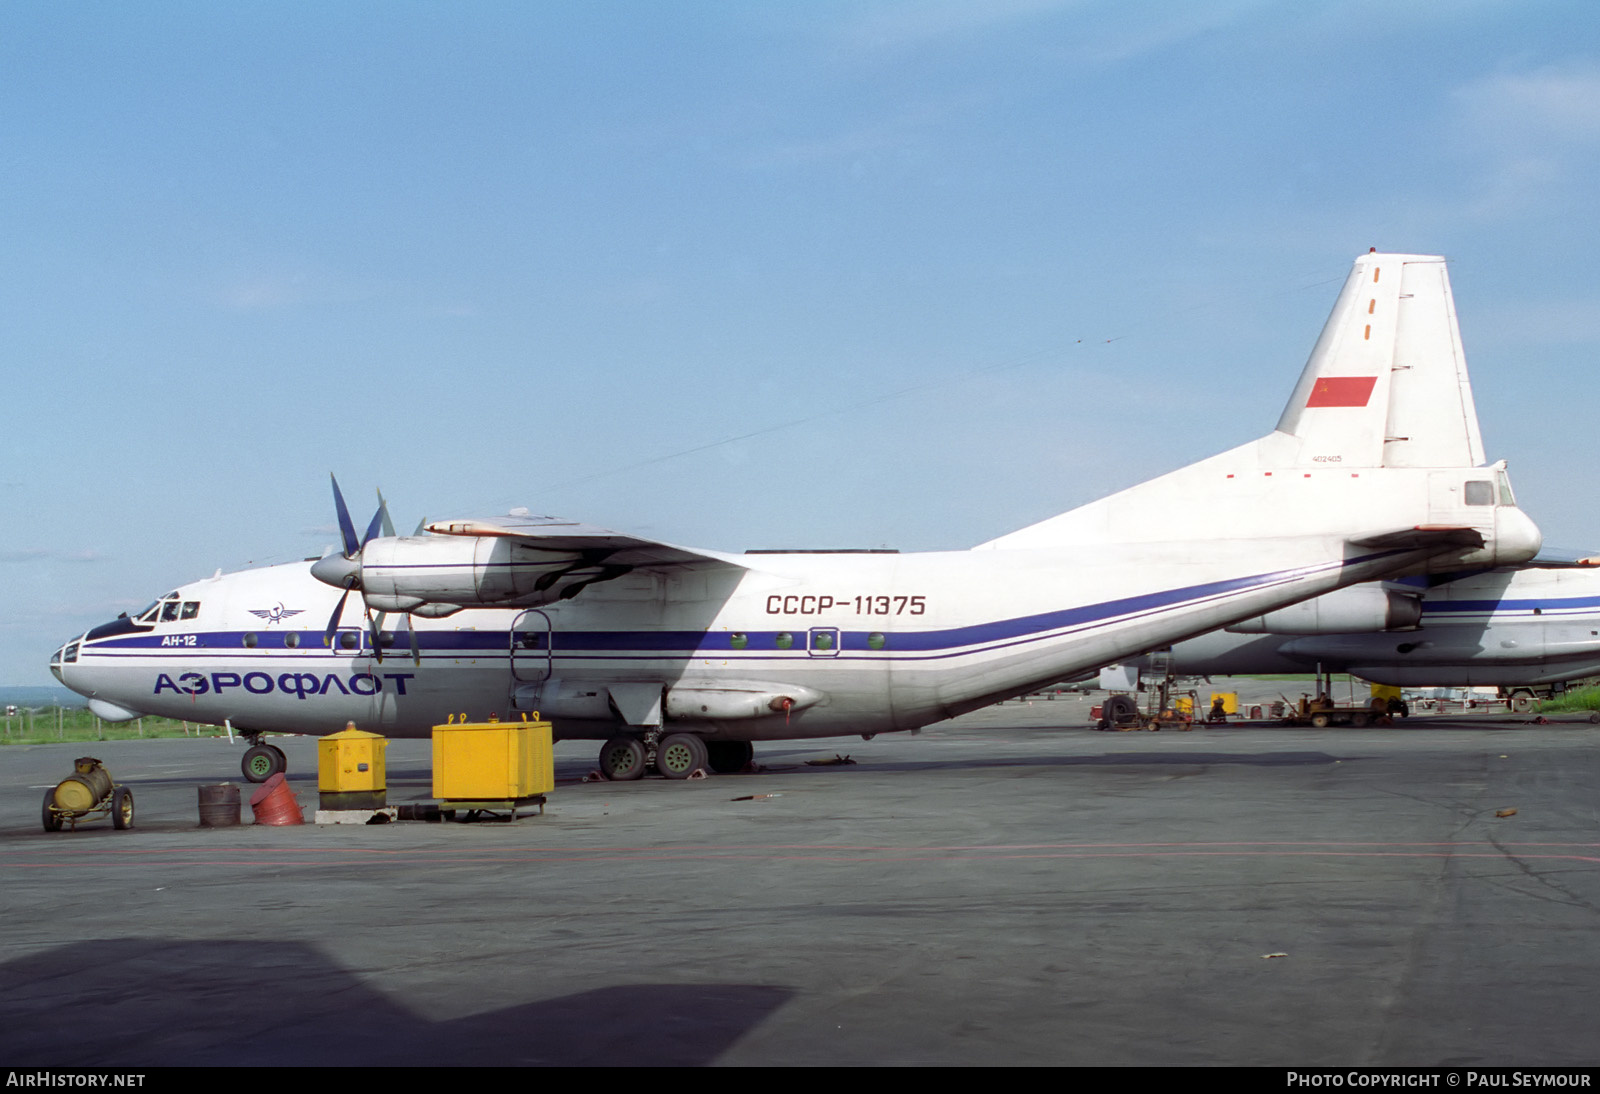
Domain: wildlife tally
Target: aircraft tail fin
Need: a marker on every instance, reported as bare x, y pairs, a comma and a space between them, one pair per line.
1379, 439
1386, 385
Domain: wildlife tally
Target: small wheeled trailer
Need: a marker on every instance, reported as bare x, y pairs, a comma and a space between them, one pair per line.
87, 792
1121, 713
1322, 716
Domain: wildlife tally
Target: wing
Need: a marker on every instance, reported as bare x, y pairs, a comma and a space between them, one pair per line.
557, 534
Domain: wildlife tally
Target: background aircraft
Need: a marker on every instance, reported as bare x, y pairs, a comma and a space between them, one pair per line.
1515, 628
683, 657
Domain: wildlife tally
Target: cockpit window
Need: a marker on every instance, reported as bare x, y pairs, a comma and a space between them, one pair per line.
71, 654
191, 609
1479, 492
149, 614
169, 611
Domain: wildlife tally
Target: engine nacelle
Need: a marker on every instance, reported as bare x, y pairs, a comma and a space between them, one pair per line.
1359, 609
432, 575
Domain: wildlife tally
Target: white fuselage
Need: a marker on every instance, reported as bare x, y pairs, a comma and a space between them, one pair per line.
860, 643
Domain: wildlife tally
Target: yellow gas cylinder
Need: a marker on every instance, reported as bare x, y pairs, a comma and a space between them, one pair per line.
351, 770
85, 788
493, 760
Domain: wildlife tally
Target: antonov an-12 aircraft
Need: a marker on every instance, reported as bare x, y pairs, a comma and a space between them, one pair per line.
680, 657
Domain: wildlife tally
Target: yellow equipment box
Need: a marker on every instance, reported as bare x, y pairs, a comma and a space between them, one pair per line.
1230, 701
492, 761
352, 761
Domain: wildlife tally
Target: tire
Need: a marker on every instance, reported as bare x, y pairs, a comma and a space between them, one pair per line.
680, 755
1522, 701
1118, 707
622, 759
729, 757
261, 762
1320, 720
1359, 721
52, 819
122, 808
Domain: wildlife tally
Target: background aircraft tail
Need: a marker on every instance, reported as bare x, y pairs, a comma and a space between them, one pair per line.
1379, 440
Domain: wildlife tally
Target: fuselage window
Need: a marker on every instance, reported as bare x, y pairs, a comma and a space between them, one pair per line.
1479, 492
291, 640
191, 609
348, 640
250, 639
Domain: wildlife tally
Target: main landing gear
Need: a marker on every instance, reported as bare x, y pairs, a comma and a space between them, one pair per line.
676, 756
260, 761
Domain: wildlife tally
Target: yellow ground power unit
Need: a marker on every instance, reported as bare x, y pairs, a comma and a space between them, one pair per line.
351, 770
482, 762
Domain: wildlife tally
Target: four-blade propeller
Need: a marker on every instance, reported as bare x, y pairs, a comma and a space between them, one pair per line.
343, 571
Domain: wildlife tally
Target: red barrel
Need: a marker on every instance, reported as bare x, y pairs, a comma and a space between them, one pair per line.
274, 803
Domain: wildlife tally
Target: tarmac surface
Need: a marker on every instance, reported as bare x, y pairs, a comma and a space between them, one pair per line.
1010, 887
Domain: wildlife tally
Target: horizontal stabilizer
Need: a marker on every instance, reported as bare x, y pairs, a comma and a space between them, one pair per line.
1424, 537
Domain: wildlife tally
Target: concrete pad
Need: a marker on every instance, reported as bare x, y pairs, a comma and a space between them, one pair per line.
1006, 888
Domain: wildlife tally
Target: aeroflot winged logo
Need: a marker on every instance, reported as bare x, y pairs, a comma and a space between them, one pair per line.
275, 615
1342, 391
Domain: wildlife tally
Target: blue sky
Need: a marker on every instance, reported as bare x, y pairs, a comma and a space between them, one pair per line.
741, 274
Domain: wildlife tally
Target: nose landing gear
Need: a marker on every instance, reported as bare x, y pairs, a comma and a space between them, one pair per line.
261, 762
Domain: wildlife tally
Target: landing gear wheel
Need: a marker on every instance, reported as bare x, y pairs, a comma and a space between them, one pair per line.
262, 762
729, 757
122, 808
622, 759
680, 755
1320, 721
52, 819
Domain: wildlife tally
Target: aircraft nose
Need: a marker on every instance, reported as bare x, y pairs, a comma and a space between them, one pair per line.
66, 654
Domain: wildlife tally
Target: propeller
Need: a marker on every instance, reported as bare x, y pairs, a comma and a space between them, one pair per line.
343, 570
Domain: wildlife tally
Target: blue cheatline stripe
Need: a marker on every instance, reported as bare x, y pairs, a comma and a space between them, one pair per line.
1563, 604
1002, 632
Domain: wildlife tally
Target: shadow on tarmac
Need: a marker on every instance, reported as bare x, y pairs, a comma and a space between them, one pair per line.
141, 1002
